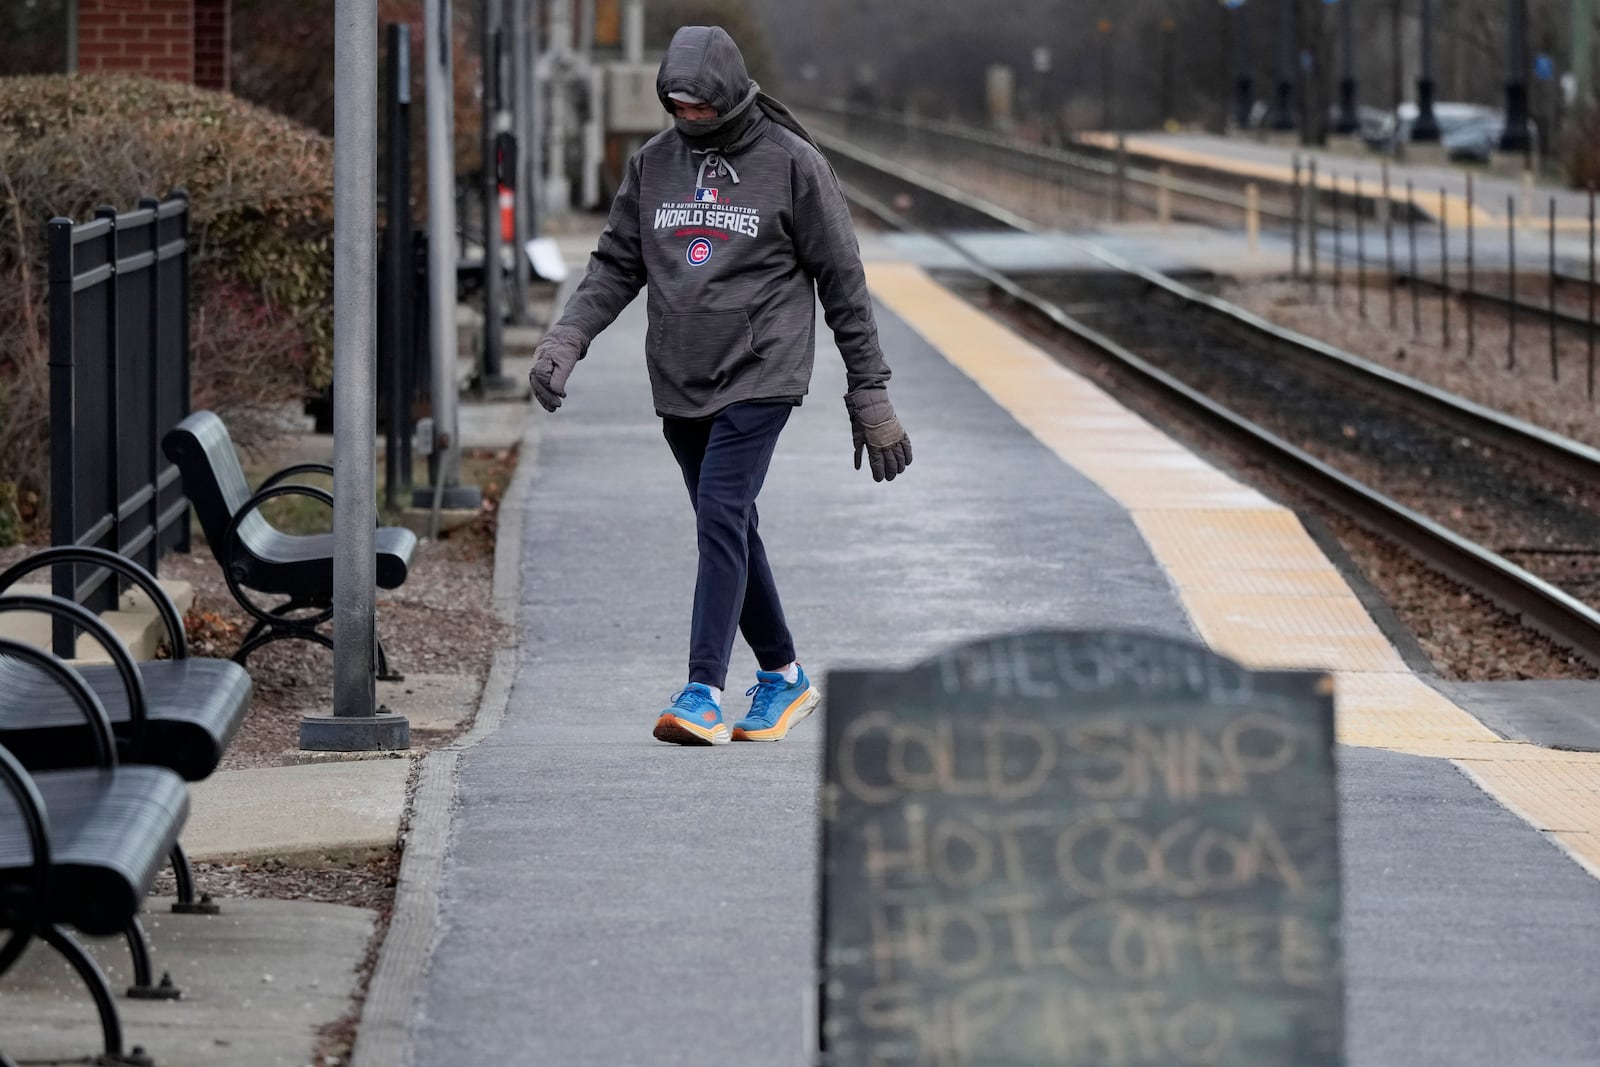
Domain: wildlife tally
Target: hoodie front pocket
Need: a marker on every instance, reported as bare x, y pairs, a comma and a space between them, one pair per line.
706, 353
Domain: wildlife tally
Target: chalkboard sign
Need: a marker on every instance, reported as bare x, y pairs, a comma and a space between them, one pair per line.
1105, 849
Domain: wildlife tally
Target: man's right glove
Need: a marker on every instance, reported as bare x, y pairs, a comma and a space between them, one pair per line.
553, 361
873, 426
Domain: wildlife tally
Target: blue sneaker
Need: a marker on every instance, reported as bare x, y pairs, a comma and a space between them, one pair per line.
776, 706
693, 719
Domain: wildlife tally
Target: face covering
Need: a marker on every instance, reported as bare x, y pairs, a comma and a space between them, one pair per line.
722, 130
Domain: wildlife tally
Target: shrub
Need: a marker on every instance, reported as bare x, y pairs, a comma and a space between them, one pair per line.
10, 516
1580, 148
261, 228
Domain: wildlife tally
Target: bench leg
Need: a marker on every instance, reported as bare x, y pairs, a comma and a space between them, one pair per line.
268, 629
272, 635
15, 946
384, 673
144, 987
110, 1025
186, 903
276, 624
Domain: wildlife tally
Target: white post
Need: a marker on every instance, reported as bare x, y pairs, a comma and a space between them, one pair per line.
531, 127
593, 133
594, 148
633, 30
354, 724
558, 192
1163, 197
1252, 217
586, 28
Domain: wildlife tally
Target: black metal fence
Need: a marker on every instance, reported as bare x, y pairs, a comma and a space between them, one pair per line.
119, 379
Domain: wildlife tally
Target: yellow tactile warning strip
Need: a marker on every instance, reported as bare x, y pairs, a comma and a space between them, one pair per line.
1255, 584
1398, 710
1557, 794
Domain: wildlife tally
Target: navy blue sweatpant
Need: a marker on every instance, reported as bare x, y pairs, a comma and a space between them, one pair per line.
724, 461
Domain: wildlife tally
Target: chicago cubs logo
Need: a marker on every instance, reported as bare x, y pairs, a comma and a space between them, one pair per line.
699, 252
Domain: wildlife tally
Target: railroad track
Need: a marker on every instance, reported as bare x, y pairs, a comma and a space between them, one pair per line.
1336, 425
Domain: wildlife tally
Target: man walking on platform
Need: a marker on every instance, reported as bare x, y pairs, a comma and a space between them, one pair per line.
734, 220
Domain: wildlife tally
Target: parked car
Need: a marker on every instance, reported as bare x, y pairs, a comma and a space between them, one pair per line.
1468, 132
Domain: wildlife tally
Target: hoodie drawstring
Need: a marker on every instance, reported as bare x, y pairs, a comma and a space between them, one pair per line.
712, 158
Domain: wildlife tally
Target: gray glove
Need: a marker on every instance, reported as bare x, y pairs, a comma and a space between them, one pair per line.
553, 361
874, 427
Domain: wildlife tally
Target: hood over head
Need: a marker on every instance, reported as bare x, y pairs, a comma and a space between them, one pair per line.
704, 63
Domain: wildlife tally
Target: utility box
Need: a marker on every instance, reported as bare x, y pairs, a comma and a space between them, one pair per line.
632, 106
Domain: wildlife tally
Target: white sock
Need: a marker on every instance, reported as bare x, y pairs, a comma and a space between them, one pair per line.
791, 673
716, 694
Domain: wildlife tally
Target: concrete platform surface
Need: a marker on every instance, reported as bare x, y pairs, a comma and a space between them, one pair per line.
258, 982
1559, 713
681, 876
320, 815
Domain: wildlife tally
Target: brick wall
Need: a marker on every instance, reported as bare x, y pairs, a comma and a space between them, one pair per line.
212, 37
152, 37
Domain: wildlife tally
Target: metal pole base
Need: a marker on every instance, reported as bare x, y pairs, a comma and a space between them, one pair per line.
383, 732
499, 387
1426, 129
1514, 137
451, 498
1349, 119
1283, 118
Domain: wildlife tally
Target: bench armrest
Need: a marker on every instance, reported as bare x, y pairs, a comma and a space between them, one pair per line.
31, 806
262, 497
290, 472
132, 682
177, 637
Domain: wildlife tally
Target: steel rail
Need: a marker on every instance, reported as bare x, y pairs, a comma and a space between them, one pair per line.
1536, 603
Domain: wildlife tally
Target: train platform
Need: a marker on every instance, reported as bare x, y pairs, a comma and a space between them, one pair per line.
1178, 249
602, 899
1249, 159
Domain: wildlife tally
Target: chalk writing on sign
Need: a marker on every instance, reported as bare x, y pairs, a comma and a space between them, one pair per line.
1079, 849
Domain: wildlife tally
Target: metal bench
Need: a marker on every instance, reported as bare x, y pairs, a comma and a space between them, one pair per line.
80, 848
257, 557
178, 713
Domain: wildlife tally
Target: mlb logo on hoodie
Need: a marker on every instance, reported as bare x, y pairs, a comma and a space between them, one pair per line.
705, 196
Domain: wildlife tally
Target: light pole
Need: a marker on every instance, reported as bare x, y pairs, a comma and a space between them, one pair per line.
1426, 128
1514, 137
1243, 83
355, 724
1349, 121
1104, 31
1283, 118
1168, 28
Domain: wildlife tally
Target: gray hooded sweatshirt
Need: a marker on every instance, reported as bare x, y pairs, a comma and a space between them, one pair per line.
734, 224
